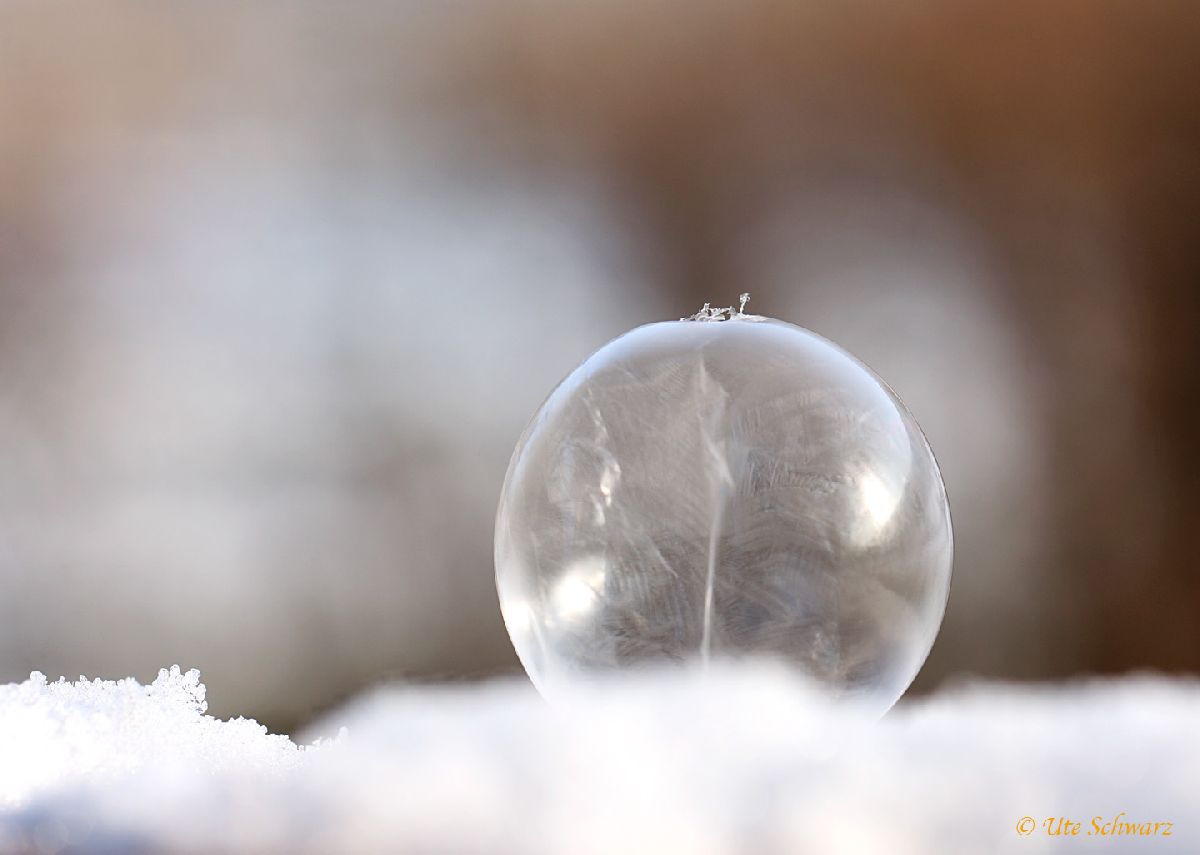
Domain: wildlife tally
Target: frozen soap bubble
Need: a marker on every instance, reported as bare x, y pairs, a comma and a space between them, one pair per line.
726, 485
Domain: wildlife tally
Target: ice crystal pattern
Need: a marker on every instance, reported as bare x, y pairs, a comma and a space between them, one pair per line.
727, 485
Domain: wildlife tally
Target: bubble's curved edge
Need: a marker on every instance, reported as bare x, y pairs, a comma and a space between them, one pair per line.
501, 527
911, 417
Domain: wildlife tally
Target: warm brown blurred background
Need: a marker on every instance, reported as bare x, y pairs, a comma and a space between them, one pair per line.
279, 286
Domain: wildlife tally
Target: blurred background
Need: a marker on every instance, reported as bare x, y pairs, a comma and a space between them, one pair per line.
280, 286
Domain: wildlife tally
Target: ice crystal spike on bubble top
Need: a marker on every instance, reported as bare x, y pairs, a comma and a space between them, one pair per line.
708, 313
726, 489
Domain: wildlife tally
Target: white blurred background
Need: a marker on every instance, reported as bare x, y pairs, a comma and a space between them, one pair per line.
279, 287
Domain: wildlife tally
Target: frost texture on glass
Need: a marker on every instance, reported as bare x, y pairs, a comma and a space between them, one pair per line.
723, 486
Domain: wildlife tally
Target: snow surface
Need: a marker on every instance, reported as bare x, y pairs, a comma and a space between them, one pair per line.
742, 759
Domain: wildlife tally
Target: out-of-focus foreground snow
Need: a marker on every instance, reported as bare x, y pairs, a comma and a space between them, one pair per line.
742, 759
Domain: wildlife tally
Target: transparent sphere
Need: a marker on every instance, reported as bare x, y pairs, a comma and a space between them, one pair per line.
724, 487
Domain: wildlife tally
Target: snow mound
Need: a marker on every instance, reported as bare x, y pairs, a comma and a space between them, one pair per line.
741, 759
96, 733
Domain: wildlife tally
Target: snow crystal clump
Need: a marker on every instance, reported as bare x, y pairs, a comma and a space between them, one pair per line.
55, 736
729, 313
